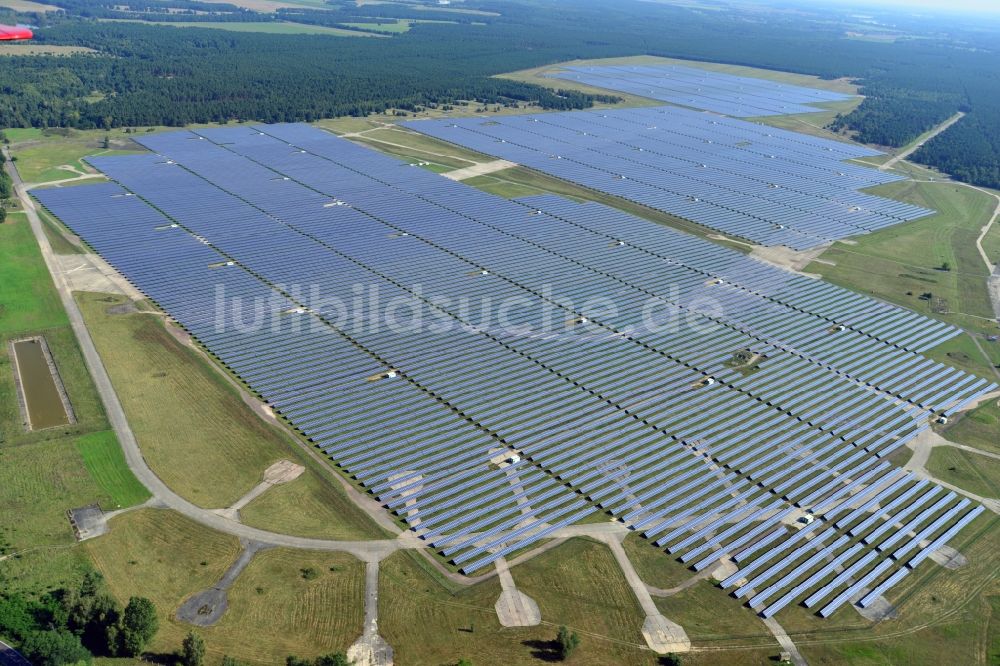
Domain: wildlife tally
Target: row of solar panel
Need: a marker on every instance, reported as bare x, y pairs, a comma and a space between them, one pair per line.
691, 165
732, 95
439, 478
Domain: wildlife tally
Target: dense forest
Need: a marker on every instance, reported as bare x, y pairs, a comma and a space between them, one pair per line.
147, 74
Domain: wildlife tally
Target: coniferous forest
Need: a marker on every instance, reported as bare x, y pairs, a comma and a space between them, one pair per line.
143, 74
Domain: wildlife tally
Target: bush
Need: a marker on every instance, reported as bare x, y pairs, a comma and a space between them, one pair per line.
193, 650
55, 647
567, 641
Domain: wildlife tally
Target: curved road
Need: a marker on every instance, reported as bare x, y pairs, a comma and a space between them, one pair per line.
363, 550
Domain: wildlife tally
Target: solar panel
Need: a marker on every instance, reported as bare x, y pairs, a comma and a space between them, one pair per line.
484, 433
766, 185
732, 95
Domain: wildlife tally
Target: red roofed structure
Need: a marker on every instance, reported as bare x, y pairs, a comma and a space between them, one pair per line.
12, 32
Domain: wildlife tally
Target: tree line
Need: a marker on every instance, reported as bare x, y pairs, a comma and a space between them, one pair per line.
71, 626
152, 75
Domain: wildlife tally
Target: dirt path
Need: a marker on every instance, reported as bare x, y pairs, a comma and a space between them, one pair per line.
63, 181
662, 636
993, 281
479, 169
924, 444
919, 144
371, 649
786, 643
280, 472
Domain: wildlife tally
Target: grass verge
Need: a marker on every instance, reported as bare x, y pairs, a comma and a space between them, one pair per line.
199, 436
975, 473
905, 264
104, 459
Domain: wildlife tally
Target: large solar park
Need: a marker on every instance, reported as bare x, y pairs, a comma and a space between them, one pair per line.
728, 94
487, 439
765, 185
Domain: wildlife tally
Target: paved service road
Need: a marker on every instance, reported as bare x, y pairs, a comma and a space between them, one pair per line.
365, 550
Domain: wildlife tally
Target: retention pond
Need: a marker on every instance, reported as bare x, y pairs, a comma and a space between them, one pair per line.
43, 399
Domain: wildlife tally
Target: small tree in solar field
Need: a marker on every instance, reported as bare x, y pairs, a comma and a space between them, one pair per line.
464, 662
193, 650
567, 642
670, 659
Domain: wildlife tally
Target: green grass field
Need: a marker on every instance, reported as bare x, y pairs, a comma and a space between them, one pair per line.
577, 584
54, 231
653, 565
970, 471
200, 437
39, 482
56, 154
978, 356
103, 458
713, 619
421, 147
903, 262
502, 188
308, 506
273, 610
29, 301
979, 428
29, 305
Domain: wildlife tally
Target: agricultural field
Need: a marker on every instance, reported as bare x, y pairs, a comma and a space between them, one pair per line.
40, 49
28, 6
271, 5
269, 27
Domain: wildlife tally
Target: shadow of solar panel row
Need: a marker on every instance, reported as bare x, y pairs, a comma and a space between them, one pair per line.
765, 185
732, 95
612, 410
